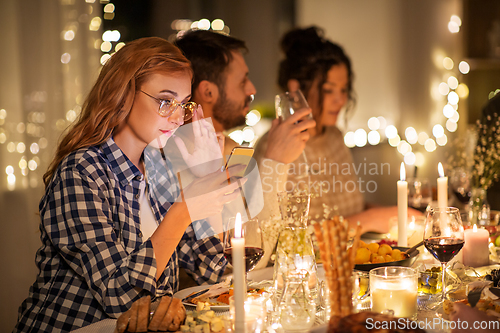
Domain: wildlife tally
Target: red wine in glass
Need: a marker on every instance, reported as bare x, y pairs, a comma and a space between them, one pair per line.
444, 248
443, 237
252, 256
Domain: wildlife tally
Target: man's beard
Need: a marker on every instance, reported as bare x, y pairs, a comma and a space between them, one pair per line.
228, 113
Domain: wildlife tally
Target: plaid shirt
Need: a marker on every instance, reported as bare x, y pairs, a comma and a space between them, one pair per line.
93, 262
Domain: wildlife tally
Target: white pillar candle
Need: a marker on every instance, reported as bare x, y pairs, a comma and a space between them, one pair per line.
238, 254
394, 288
476, 252
402, 207
442, 188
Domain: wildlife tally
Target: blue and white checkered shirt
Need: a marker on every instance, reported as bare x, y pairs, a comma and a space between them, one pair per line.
94, 262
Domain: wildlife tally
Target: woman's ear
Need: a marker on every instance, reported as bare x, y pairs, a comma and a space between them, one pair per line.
293, 85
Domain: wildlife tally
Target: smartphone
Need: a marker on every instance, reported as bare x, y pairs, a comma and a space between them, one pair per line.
240, 155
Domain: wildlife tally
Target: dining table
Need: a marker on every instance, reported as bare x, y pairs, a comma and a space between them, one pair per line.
264, 277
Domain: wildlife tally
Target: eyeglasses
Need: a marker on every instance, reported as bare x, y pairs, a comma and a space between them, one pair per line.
168, 107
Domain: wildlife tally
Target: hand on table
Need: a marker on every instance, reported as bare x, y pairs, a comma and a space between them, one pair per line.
287, 138
206, 157
469, 317
377, 218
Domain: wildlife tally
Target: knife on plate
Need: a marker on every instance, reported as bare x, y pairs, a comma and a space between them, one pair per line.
199, 293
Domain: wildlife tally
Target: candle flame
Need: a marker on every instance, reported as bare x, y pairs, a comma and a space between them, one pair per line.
402, 173
411, 226
440, 170
237, 226
474, 228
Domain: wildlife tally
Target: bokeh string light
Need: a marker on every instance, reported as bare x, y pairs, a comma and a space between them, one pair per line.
29, 143
451, 91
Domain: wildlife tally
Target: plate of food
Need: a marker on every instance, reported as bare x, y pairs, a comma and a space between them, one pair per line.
193, 295
217, 296
375, 255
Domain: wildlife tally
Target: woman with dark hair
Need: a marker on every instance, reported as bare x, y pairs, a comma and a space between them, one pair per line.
108, 238
323, 72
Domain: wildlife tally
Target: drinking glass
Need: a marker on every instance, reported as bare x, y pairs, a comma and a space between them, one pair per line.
252, 233
419, 193
460, 183
286, 104
443, 237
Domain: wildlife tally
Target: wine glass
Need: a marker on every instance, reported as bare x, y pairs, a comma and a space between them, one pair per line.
443, 237
254, 249
286, 104
419, 193
460, 183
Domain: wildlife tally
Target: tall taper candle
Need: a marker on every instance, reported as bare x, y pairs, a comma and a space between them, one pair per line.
402, 207
238, 253
442, 188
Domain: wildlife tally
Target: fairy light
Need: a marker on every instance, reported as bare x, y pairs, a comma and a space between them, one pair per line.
391, 131
373, 138
464, 67
411, 135
394, 141
444, 88
451, 125
360, 137
448, 63
410, 158
374, 123
453, 82
349, 139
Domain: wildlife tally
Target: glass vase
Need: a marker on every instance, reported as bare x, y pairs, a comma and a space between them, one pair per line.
297, 309
478, 209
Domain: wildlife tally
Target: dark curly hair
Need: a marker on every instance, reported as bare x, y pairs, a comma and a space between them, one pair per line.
308, 58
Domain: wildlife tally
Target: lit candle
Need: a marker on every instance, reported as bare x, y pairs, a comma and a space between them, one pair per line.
442, 188
238, 254
476, 252
402, 207
415, 230
394, 288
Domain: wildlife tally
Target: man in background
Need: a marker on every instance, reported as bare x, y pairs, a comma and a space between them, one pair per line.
222, 86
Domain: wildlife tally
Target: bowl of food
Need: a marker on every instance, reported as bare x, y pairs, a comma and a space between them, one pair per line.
375, 255
429, 280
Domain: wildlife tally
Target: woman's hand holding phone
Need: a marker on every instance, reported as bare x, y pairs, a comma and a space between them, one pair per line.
206, 157
206, 196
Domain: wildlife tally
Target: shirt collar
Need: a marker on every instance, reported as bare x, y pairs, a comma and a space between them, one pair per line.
124, 169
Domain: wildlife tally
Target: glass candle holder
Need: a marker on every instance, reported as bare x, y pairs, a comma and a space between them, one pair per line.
255, 313
394, 288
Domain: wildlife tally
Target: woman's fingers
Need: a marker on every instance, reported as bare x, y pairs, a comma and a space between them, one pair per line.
221, 140
182, 148
196, 122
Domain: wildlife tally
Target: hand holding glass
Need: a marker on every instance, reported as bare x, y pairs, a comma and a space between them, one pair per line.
286, 104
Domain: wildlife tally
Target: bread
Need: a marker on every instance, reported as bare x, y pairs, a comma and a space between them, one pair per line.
168, 316
371, 322
143, 314
160, 312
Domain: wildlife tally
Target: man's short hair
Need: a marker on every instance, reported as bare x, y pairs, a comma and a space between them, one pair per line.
209, 53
